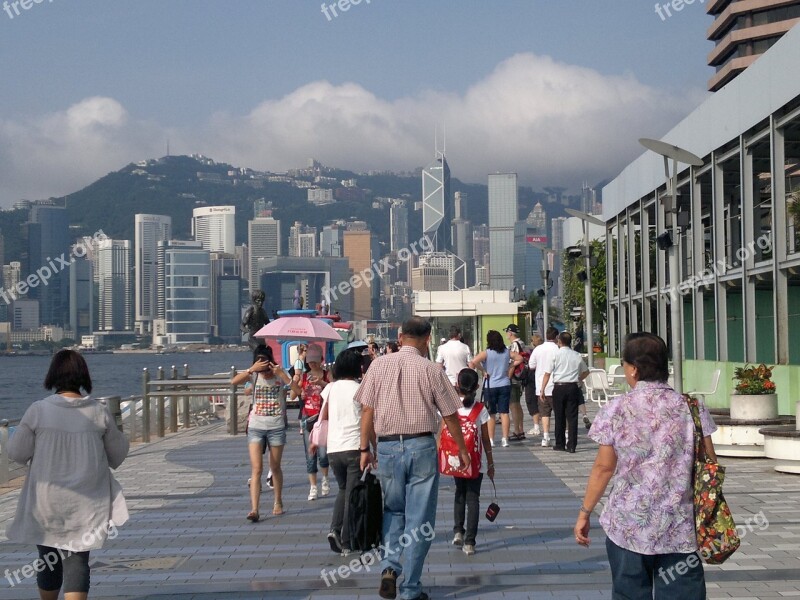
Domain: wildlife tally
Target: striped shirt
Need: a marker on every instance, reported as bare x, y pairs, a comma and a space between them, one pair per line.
406, 390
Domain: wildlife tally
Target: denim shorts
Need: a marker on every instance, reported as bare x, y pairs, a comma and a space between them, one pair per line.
497, 399
270, 437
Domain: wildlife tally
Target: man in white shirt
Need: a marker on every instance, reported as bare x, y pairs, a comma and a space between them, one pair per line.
541, 362
454, 355
567, 372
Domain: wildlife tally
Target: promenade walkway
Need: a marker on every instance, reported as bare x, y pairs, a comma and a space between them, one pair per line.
188, 538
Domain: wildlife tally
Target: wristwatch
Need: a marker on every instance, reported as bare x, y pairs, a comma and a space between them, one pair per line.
364, 449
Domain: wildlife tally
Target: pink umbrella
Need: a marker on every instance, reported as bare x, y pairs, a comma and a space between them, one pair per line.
299, 328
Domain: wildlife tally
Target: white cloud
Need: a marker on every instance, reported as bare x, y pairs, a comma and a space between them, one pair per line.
553, 123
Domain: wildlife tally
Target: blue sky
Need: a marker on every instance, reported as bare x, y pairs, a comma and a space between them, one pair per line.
557, 90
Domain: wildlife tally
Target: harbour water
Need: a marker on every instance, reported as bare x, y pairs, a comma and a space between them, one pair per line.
21, 377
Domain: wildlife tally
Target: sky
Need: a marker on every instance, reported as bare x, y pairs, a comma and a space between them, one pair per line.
558, 91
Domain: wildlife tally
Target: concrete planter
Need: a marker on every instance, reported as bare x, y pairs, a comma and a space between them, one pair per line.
756, 407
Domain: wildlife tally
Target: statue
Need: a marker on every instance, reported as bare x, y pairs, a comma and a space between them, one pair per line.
255, 317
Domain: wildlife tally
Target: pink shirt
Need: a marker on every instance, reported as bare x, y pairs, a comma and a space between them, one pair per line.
650, 508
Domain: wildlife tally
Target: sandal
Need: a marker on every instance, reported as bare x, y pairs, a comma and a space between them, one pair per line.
277, 508
253, 516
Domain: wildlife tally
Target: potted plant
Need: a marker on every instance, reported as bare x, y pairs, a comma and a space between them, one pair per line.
754, 398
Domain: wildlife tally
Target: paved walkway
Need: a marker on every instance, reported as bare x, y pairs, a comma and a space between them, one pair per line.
188, 538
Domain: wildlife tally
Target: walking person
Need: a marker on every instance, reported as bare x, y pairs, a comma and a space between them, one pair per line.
531, 397
400, 396
468, 491
266, 426
515, 348
343, 414
541, 361
309, 390
646, 442
454, 355
568, 370
70, 502
495, 362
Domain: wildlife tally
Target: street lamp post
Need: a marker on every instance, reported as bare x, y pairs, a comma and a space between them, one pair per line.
586, 220
668, 151
545, 286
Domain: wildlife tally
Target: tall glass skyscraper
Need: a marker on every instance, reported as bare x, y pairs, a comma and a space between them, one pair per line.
186, 281
149, 231
437, 204
502, 218
264, 238
48, 239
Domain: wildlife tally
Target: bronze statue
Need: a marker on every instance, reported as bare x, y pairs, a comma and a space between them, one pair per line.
255, 317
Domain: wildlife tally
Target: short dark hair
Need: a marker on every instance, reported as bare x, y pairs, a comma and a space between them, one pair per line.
648, 353
416, 327
263, 351
551, 333
565, 337
347, 365
454, 332
68, 372
392, 346
494, 341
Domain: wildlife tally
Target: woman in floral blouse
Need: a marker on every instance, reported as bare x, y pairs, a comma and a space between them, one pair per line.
646, 442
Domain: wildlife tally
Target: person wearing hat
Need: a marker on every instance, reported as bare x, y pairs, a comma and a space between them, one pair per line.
309, 390
515, 348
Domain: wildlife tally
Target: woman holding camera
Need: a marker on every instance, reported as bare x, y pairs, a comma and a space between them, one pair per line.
266, 425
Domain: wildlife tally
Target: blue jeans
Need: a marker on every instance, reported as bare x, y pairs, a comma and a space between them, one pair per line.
642, 576
409, 478
311, 459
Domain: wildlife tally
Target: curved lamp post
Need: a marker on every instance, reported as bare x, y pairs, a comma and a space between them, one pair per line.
587, 219
669, 151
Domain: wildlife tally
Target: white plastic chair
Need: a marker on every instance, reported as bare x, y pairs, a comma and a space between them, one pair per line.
603, 392
714, 384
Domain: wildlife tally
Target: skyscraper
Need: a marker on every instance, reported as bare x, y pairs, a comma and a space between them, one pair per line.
331, 240
480, 244
437, 205
149, 231
48, 238
358, 249
114, 285
264, 240
461, 230
226, 303
185, 280
398, 221
503, 213
215, 228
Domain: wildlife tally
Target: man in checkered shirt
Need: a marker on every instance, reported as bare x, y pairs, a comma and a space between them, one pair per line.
400, 396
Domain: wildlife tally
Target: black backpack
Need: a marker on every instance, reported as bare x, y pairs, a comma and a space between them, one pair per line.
365, 513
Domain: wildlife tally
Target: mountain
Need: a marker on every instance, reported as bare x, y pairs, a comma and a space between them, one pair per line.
174, 185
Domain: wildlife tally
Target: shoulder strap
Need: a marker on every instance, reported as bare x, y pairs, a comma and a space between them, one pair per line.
476, 411
699, 448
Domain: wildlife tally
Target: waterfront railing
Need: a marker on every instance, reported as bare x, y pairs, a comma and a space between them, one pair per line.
165, 405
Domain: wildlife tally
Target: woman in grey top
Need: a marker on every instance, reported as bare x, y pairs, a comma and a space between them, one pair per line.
70, 503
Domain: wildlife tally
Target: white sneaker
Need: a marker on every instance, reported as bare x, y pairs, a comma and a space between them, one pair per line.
491, 443
504, 442
458, 539
546, 441
326, 487
312, 493
468, 549
534, 430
